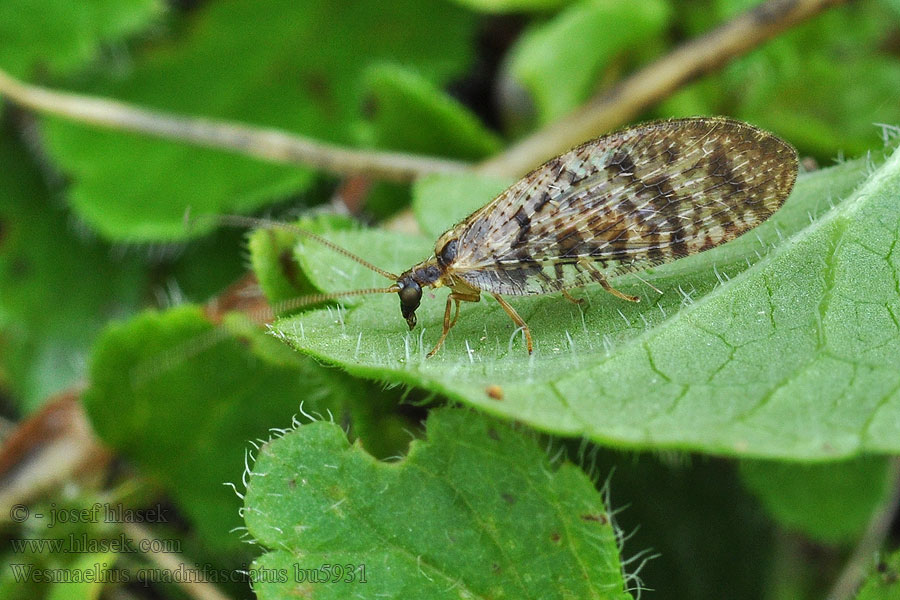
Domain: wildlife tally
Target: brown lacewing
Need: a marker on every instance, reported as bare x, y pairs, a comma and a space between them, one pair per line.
634, 199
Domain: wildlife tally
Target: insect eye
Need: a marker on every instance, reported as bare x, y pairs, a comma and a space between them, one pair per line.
448, 253
411, 294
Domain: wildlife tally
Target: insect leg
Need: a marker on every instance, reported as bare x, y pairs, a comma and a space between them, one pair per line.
601, 279
457, 298
447, 326
571, 298
516, 319
456, 314
615, 292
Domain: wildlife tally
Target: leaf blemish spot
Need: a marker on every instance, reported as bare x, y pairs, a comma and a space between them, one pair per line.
598, 518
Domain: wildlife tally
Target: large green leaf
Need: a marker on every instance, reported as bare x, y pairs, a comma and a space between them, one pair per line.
476, 511
796, 356
293, 65
60, 36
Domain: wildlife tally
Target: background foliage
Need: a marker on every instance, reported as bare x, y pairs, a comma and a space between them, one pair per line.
747, 417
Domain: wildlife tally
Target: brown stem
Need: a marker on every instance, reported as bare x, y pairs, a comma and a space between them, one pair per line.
268, 144
656, 81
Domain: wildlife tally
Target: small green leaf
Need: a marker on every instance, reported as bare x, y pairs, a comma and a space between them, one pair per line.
797, 356
61, 36
883, 583
476, 511
273, 261
830, 502
182, 398
93, 569
558, 62
272, 258
408, 112
291, 65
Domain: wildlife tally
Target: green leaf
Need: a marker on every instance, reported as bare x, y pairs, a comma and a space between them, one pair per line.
797, 356
893, 5
181, 398
830, 122
93, 567
831, 502
296, 66
883, 583
559, 62
439, 201
61, 36
475, 511
272, 257
204, 268
58, 287
409, 113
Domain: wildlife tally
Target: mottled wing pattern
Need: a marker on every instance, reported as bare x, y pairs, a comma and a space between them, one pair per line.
637, 198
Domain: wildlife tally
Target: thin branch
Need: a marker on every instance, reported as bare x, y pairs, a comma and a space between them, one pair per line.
656, 81
879, 527
268, 144
605, 112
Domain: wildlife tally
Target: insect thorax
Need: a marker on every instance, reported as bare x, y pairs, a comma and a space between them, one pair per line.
427, 272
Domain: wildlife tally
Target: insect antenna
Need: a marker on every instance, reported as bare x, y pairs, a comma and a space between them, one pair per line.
242, 221
301, 301
160, 363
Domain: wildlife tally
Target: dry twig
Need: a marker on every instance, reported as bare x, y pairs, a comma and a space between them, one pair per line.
656, 81
605, 112
268, 144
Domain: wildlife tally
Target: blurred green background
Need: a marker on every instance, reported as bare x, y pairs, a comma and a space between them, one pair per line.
433, 77
92, 225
